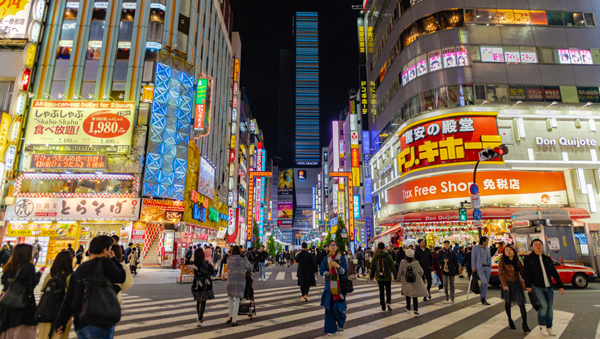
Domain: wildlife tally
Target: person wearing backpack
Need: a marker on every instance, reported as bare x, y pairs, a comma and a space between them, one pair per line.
19, 323
79, 256
202, 286
382, 268
413, 285
102, 266
55, 287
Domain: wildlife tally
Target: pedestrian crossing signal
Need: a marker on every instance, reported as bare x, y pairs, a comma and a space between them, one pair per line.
462, 214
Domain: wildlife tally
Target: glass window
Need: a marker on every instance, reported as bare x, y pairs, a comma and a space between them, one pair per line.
441, 97
589, 19
512, 54
474, 53
487, 16
88, 88
497, 93
522, 17
545, 55
64, 49
97, 30
480, 92
91, 70
429, 100
58, 87
538, 17
121, 70
492, 54
452, 18
68, 30
428, 24
73, 186
554, 18
470, 15
125, 30
573, 19
528, 55
94, 50
506, 16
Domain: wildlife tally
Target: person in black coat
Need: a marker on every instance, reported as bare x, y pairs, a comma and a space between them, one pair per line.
425, 259
307, 267
466, 263
449, 267
10, 318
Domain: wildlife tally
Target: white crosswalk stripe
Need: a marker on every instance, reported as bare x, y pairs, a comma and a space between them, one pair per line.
280, 276
281, 313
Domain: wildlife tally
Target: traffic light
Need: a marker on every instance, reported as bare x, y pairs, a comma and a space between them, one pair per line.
462, 214
491, 154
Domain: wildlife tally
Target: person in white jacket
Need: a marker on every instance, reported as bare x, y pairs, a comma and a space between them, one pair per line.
128, 277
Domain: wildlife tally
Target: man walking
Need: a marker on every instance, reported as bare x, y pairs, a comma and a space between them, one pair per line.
360, 256
481, 262
37, 248
307, 267
425, 258
382, 269
538, 271
261, 257
322, 254
449, 265
128, 252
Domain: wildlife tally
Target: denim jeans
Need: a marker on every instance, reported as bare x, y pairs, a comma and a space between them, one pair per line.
484, 275
93, 332
261, 267
545, 297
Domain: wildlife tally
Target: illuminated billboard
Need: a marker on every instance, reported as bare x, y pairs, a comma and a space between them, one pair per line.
285, 210
203, 103
286, 181
206, 182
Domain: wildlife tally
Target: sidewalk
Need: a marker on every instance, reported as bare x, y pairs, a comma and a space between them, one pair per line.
152, 276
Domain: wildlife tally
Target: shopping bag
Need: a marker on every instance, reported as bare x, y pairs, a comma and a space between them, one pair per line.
436, 280
474, 284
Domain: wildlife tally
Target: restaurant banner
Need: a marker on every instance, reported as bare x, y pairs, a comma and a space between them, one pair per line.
68, 162
506, 187
43, 230
74, 209
80, 126
452, 139
162, 210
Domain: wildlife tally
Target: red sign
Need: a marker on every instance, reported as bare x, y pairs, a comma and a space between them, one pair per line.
138, 232
552, 94
535, 94
25, 79
232, 155
453, 138
65, 162
106, 124
355, 157
199, 119
194, 196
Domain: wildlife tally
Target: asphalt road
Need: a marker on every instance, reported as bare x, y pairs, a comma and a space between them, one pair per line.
157, 307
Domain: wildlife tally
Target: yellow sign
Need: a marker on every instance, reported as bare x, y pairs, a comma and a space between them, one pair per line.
11, 7
44, 230
355, 176
29, 55
232, 141
4, 127
147, 93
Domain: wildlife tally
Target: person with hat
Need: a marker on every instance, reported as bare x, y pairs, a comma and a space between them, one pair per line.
413, 286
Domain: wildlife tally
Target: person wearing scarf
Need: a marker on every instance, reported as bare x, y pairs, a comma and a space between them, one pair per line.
332, 267
510, 272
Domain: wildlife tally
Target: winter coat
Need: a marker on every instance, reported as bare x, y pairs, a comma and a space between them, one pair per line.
208, 256
127, 284
436, 266
326, 296
14, 317
128, 251
388, 262
533, 274
236, 280
424, 258
452, 262
44, 328
507, 272
133, 258
307, 267
416, 289
202, 286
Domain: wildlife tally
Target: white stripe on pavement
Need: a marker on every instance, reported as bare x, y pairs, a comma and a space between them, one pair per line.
560, 322
443, 321
491, 327
280, 276
598, 331
294, 275
267, 275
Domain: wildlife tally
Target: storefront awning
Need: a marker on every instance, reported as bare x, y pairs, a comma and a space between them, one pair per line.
392, 229
452, 215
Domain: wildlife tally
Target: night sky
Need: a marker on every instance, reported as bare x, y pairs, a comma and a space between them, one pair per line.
265, 27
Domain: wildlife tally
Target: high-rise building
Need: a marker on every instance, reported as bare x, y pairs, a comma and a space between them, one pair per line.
307, 150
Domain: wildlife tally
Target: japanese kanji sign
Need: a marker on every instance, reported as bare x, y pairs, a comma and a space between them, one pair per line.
67, 162
14, 18
453, 138
80, 126
74, 209
163, 210
510, 187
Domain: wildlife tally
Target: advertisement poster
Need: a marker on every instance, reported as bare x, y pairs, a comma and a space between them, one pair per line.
462, 57
588, 94
14, 18
435, 61
446, 140
564, 56
449, 57
412, 73
492, 54
421, 67
586, 57
68, 162
138, 232
80, 126
285, 210
575, 58
42, 230
529, 57
286, 181
74, 209
162, 210
206, 180
513, 57
404, 79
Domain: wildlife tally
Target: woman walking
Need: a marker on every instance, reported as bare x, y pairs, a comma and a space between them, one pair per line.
62, 268
333, 267
238, 267
510, 272
412, 281
79, 255
202, 286
293, 258
351, 265
19, 323
133, 261
118, 250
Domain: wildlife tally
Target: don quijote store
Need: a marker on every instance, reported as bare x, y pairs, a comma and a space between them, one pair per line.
78, 176
546, 187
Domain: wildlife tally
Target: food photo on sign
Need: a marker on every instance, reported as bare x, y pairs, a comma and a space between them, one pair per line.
206, 180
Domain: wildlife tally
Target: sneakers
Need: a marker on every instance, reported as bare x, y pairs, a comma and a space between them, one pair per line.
305, 297
389, 307
382, 309
260, 279
199, 324
441, 290
544, 331
340, 330
407, 308
416, 314
461, 276
552, 334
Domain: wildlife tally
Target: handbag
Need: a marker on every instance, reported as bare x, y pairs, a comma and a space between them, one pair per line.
534, 302
100, 306
16, 294
345, 284
436, 280
474, 287
355, 261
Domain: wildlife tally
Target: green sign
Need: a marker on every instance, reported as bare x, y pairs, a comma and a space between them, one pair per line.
201, 92
462, 214
213, 214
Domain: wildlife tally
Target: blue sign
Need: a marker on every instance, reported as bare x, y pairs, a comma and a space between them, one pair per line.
366, 142
368, 198
368, 227
199, 213
474, 189
356, 206
477, 214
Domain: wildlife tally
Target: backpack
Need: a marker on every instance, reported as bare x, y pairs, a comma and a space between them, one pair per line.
381, 267
410, 275
52, 298
100, 306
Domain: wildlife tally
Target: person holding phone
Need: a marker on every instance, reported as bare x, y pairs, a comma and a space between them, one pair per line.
333, 267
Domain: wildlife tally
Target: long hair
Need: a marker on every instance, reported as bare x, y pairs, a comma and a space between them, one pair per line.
22, 253
236, 250
512, 248
62, 263
118, 251
198, 256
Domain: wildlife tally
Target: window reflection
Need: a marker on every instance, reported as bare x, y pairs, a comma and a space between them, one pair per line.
74, 186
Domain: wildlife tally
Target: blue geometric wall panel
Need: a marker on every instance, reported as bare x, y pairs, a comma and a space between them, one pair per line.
170, 128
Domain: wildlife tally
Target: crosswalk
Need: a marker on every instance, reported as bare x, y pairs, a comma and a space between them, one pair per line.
282, 314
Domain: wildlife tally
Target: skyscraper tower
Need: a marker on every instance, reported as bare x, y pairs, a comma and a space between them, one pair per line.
307, 146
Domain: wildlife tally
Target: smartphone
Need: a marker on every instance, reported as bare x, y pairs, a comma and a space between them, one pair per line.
42, 269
